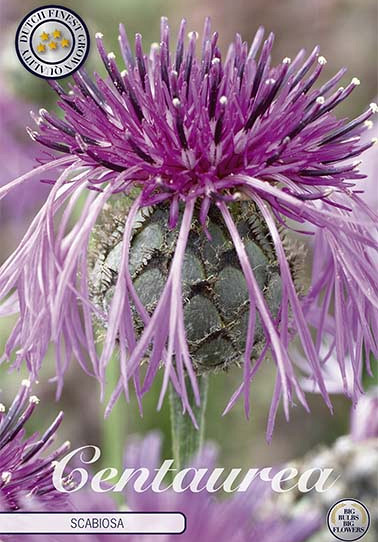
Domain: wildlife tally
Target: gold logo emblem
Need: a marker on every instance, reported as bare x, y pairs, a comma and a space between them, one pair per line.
348, 520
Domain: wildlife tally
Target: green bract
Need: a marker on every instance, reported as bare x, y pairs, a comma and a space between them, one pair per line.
216, 302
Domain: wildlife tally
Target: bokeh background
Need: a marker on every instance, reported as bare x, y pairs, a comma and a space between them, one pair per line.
347, 33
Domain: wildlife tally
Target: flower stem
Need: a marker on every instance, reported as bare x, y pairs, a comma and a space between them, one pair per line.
186, 439
114, 428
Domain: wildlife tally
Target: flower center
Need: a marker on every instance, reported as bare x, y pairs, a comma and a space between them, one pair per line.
215, 293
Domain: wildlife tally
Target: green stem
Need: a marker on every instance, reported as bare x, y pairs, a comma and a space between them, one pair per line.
114, 428
186, 439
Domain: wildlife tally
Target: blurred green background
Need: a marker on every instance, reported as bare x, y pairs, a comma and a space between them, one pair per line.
347, 33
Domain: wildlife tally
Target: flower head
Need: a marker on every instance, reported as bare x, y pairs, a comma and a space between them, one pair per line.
202, 139
25, 473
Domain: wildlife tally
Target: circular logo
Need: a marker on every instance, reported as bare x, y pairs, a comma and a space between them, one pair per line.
52, 42
348, 519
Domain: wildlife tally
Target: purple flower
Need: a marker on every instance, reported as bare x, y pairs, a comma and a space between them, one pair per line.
242, 517
198, 137
25, 472
342, 366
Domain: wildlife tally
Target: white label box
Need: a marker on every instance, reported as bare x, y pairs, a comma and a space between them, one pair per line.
92, 522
